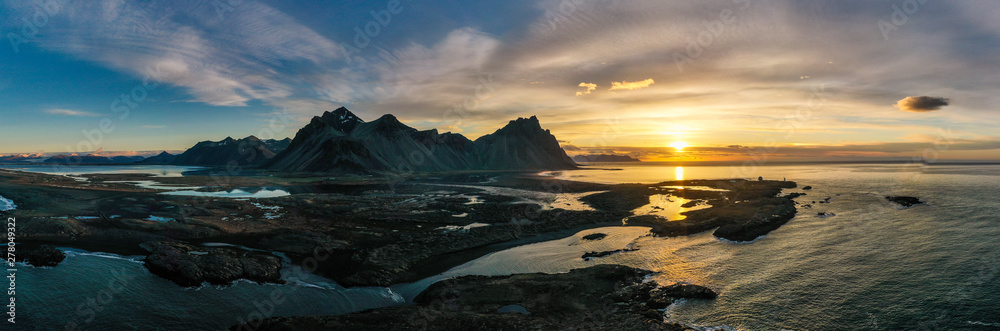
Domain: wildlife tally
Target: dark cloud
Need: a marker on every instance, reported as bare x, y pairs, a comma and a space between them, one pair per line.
922, 104
569, 147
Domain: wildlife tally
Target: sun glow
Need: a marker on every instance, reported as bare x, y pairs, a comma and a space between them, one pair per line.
679, 145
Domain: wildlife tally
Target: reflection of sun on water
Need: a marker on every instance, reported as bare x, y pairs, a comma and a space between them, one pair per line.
679, 172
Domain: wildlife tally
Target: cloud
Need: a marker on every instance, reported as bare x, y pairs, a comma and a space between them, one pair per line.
222, 60
68, 112
569, 147
749, 78
625, 85
922, 104
590, 88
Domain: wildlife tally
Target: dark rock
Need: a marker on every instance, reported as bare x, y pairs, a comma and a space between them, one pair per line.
607, 297
595, 236
904, 201
807, 188
39, 256
591, 255
794, 195
191, 266
685, 291
768, 216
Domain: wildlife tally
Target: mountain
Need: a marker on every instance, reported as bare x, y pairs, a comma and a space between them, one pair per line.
341, 120
604, 158
339, 141
162, 158
19, 158
276, 146
126, 159
522, 144
92, 159
246, 151
78, 159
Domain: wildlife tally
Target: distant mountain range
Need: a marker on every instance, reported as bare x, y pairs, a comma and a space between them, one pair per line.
20, 158
162, 158
604, 158
92, 159
339, 141
244, 152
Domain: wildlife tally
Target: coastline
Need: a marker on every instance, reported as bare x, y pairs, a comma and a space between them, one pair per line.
375, 235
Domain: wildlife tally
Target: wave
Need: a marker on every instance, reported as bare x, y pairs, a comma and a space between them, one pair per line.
235, 283
983, 323
6, 204
727, 241
72, 252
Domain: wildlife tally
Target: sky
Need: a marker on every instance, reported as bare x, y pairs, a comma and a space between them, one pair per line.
661, 80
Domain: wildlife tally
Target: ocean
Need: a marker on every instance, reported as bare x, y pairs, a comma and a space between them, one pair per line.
871, 266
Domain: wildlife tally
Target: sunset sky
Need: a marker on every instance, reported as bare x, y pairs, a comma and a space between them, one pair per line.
809, 80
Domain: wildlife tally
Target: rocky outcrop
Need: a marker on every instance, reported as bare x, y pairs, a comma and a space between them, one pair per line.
340, 142
904, 201
743, 212
188, 265
591, 255
39, 256
773, 213
604, 297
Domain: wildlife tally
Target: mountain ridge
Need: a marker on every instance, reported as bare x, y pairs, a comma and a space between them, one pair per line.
349, 144
247, 151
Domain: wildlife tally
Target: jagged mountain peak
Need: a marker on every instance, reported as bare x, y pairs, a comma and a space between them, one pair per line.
522, 126
341, 119
388, 145
386, 125
531, 122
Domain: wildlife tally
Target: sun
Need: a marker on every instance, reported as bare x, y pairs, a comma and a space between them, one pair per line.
679, 145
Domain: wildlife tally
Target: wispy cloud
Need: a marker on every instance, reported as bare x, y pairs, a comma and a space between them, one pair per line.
226, 62
591, 87
626, 85
68, 112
